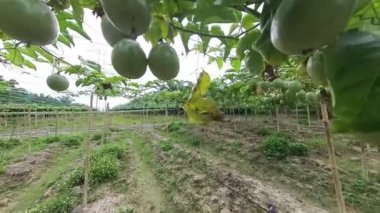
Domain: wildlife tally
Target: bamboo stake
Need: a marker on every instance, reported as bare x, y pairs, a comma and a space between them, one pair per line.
87, 156
334, 167
364, 160
56, 123
30, 128
278, 119
298, 123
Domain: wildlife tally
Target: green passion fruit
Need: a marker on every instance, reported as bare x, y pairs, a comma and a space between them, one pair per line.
30, 21
128, 59
315, 68
300, 26
163, 61
110, 33
57, 82
132, 17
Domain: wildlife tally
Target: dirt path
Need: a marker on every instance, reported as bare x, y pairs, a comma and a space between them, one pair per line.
232, 181
144, 194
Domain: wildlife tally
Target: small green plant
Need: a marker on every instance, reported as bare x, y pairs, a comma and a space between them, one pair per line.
166, 146
175, 126
103, 168
7, 144
59, 204
284, 135
114, 129
71, 140
276, 147
97, 136
75, 178
298, 149
193, 141
115, 151
360, 185
48, 139
263, 132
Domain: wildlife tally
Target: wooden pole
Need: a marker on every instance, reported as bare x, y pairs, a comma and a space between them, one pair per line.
30, 128
278, 119
364, 160
308, 115
297, 115
87, 155
334, 167
56, 123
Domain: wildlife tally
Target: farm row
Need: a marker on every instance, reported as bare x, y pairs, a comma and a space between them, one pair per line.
241, 165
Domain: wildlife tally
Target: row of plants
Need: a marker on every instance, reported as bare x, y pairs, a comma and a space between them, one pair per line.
105, 166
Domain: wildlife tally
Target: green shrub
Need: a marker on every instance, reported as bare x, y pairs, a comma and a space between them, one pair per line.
48, 139
298, 149
276, 147
175, 126
103, 168
284, 135
114, 129
115, 151
7, 144
263, 132
166, 146
75, 178
71, 140
97, 136
60, 203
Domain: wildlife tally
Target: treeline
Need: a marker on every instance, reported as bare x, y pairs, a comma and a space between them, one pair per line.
14, 99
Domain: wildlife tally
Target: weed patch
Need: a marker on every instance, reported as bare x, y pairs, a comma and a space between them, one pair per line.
8, 144
60, 203
276, 147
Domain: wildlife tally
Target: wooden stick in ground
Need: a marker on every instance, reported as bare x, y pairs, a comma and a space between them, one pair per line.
298, 122
334, 167
278, 119
87, 155
364, 160
30, 128
56, 123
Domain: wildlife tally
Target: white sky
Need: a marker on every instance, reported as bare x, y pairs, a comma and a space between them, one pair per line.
99, 51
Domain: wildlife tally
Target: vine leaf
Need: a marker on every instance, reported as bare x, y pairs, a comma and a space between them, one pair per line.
200, 109
353, 71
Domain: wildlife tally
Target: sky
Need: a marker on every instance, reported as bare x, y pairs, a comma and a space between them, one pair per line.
99, 51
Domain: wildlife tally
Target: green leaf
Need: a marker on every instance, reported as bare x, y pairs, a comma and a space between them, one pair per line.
201, 109
78, 12
248, 22
219, 62
236, 63
29, 64
207, 12
77, 28
254, 63
353, 70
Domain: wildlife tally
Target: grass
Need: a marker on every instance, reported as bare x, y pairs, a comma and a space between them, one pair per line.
33, 192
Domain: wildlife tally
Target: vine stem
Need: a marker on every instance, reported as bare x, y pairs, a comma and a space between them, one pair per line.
211, 35
334, 166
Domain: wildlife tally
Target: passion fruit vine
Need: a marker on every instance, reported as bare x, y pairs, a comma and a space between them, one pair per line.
30, 21
57, 82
